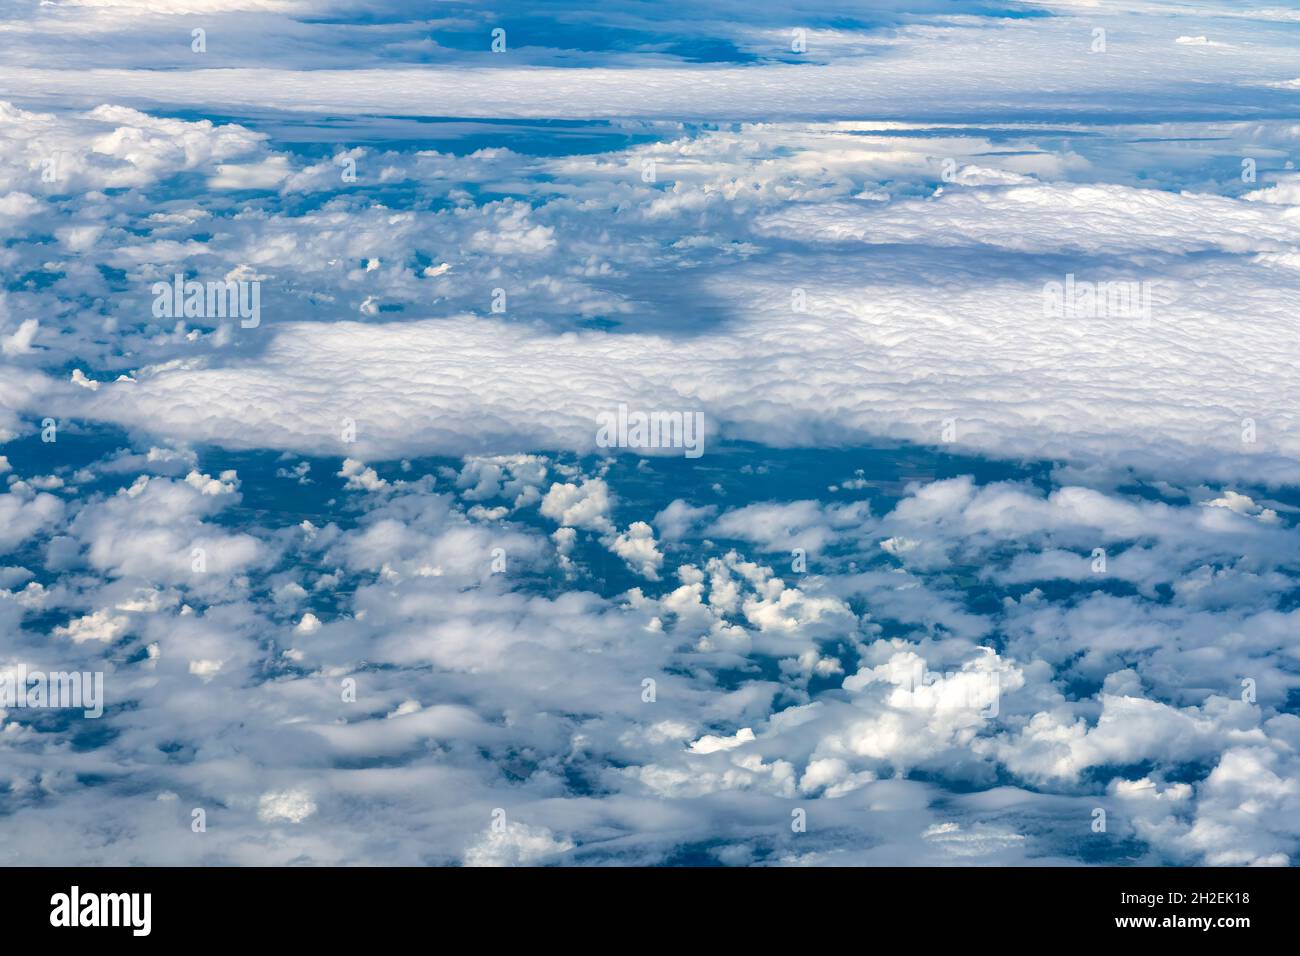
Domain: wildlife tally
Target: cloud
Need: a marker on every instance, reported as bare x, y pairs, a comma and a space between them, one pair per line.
291, 806
101, 626
955, 570
925, 66
22, 515
584, 505
637, 547
518, 844
20, 342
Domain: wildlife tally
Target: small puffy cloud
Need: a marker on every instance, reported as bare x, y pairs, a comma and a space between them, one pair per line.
360, 477
586, 505
637, 547
101, 626
709, 744
679, 518
287, 806
516, 844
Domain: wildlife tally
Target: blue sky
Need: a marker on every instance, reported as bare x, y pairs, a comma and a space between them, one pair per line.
987, 314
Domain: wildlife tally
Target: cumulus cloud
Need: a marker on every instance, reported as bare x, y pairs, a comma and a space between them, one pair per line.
584, 505
291, 806
637, 547
517, 844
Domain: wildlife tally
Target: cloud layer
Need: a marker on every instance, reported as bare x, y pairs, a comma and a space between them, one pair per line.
991, 328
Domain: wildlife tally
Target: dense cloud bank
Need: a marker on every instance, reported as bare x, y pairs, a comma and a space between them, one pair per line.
449, 317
